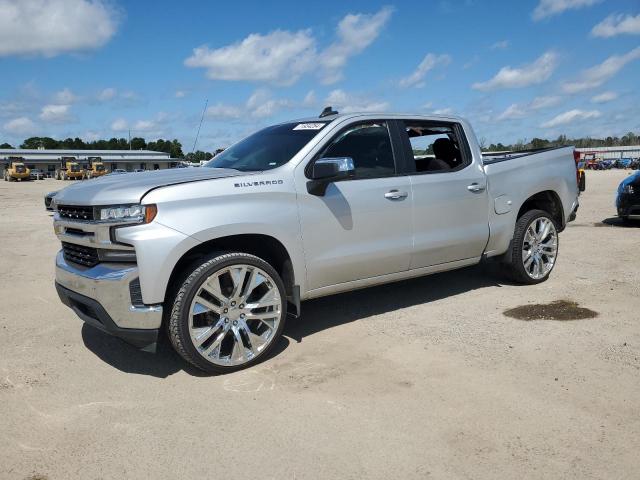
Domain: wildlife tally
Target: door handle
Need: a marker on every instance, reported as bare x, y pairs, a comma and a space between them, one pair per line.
395, 195
475, 188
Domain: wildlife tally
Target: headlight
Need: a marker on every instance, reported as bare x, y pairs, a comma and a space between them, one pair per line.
628, 189
127, 213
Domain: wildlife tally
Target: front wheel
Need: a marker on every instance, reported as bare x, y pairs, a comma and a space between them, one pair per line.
228, 313
534, 249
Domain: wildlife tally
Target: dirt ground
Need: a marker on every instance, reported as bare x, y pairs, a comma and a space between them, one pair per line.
421, 379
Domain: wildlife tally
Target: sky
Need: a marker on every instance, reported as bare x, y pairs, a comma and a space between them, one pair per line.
515, 69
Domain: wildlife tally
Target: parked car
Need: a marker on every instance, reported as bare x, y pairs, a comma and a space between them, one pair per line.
628, 198
36, 174
296, 211
138, 170
117, 171
48, 200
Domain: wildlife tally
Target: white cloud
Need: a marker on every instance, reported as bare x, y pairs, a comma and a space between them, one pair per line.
597, 75
110, 94
180, 94
119, 125
570, 117
52, 27
539, 103
281, 57
512, 112
617, 24
107, 94
355, 33
91, 136
550, 8
500, 45
145, 126
55, 113
13, 108
222, 110
261, 104
429, 62
310, 99
516, 111
443, 111
604, 97
19, 126
531, 74
65, 97
150, 127
349, 103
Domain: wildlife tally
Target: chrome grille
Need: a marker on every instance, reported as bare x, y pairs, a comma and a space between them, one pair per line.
80, 254
73, 212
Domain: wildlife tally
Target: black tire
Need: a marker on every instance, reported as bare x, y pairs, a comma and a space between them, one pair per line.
514, 266
178, 321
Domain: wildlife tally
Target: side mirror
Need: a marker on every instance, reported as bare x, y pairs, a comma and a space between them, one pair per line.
329, 170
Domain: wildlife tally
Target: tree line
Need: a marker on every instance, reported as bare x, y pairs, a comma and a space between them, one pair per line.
172, 147
586, 142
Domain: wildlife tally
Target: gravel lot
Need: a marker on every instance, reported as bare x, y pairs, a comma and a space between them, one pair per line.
420, 379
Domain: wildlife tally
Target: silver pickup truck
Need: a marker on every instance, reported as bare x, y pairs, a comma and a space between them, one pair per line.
218, 256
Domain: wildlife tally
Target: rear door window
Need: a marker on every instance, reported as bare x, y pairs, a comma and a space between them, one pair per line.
435, 147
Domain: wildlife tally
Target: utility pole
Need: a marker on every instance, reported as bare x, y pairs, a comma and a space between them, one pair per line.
129, 139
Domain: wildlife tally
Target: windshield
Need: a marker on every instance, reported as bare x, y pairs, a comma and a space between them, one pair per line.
269, 148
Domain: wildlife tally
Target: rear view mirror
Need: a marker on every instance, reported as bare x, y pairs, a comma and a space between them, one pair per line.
328, 170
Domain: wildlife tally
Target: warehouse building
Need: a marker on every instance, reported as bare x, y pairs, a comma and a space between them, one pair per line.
610, 153
49, 160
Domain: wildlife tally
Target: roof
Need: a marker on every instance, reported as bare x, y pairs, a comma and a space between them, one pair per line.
608, 149
107, 155
382, 115
70, 153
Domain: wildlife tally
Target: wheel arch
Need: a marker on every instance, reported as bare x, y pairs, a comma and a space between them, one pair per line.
266, 247
548, 201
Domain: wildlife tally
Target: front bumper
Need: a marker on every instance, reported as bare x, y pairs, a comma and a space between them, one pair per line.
102, 297
628, 205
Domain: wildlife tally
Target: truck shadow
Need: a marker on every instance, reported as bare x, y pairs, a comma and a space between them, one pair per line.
318, 315
129, 359
328, 312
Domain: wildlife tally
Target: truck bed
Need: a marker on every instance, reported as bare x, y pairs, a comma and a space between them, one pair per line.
513, 177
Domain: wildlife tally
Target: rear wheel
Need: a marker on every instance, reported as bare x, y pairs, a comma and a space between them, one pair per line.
228, 313
534, 249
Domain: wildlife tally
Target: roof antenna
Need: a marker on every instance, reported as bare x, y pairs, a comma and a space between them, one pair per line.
195, 142
328, 111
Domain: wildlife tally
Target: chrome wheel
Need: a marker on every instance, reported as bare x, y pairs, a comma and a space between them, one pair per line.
234, 315
539, 248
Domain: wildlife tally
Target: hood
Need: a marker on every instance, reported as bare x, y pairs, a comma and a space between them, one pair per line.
633, 179
131, 187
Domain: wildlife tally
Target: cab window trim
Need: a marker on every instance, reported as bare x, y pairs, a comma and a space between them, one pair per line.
409, 163
393, 139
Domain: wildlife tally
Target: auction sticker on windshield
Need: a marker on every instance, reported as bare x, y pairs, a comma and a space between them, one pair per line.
309, 126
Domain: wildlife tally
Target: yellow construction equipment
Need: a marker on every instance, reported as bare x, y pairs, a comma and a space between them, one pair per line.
96, 167
69, 169
15, 170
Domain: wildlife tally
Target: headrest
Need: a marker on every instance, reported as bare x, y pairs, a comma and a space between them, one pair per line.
444, 149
